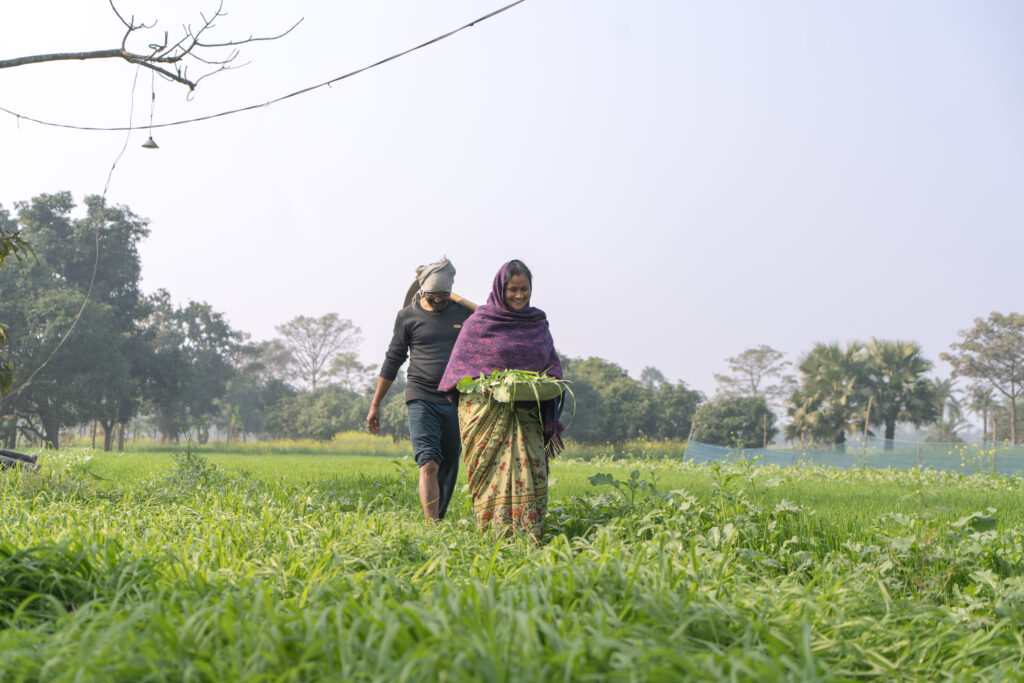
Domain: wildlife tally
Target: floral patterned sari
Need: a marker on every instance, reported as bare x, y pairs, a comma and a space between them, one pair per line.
503, 448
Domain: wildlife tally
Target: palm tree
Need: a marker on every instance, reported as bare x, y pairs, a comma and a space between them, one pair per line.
983, 403
950, 411
898, 387
831, 393
946, 400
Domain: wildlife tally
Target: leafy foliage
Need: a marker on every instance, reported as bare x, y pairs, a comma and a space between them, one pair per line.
898, 387
318, 414
757, 372
833, 391
317, 346
992, 352
740, 421
611, 406
515, 385
882, 382
11, 243
87, 345
189, 363
95, 376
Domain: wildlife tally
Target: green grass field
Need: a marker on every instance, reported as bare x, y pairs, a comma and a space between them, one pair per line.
284, 563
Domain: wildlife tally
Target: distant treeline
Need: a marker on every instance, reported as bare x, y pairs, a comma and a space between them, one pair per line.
135, 360
82, 346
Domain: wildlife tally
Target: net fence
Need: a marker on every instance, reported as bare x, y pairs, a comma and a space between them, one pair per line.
978, 456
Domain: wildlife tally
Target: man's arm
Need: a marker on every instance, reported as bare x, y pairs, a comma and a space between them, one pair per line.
373, 417
398, 351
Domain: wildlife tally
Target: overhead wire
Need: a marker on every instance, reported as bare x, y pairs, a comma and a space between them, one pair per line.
261, 105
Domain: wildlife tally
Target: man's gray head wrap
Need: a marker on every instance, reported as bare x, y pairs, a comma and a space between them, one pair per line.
433, 277
436, 277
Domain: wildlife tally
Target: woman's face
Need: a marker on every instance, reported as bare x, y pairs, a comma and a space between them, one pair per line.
517, 292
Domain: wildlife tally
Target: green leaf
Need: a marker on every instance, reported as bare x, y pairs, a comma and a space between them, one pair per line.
601, 479
976, 522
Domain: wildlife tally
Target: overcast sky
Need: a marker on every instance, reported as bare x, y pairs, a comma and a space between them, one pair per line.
685, 179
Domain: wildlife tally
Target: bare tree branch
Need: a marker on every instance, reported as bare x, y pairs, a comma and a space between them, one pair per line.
170, 60
128, 24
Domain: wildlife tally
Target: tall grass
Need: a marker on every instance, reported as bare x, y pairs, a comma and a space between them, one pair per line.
362, 443
343, 443
207, 566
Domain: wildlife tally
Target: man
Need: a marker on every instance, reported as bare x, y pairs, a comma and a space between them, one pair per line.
425, 332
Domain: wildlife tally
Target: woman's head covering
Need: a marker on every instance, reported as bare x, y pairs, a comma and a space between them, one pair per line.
497, 337
433, 277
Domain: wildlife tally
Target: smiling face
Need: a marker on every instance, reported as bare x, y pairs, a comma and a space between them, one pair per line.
517, 292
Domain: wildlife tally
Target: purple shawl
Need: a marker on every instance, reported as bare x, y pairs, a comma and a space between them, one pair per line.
497, 337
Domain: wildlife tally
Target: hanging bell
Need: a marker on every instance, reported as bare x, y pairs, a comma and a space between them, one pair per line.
149, 144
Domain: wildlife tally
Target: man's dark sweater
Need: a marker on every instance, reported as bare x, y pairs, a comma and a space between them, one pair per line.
426, 338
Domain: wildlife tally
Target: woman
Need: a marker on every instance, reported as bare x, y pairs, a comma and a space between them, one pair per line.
506, 446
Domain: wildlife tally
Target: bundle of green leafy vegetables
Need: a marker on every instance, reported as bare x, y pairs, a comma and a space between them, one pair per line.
514, 385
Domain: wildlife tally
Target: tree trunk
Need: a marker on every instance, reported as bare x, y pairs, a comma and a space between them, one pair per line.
168, 427
51, 427
120, 438
890, 434
108, 434
94, 434
1013, 420
11, 435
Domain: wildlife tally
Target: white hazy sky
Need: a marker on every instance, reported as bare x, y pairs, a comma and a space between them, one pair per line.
685, 179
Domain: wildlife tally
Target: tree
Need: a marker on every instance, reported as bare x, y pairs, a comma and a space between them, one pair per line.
350, 374
89, 379
6, 366
742, 422
168, 56
254, 387
394, 415
832, 393
673, 410
983, 403
273, 359
757, 372
313, 345
947, 399
318, 414
394, 420
898, 389
1000, 419
11, 244
992, 352
191, 364
72, 316
589, 419
949, 410
611, 406
652, 377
